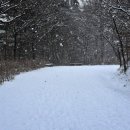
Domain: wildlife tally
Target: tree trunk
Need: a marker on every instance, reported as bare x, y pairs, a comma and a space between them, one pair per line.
15, 45
121, 47
33, 51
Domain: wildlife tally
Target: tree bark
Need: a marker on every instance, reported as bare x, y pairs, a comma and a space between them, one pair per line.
121, 46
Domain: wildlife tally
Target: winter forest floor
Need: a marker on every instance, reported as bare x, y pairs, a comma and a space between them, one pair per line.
66, 98
10, 68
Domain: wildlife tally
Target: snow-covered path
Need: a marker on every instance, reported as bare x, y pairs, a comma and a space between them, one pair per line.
66, 98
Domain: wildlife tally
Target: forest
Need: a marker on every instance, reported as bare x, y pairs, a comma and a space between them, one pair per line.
63, 32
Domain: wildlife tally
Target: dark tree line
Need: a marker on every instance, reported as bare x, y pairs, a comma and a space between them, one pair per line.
117, 33
25, 24
64, 32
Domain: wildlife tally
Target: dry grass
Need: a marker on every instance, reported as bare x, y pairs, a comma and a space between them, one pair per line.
8, 69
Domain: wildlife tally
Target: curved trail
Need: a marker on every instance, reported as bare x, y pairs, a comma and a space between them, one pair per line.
66, 98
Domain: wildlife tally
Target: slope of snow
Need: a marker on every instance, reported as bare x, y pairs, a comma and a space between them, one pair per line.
66, 98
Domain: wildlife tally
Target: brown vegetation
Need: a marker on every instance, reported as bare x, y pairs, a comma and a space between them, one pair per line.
8, 69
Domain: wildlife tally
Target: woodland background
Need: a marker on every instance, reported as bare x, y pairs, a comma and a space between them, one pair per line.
63, 32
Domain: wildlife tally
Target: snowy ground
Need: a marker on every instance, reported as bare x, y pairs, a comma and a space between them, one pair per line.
66, 98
